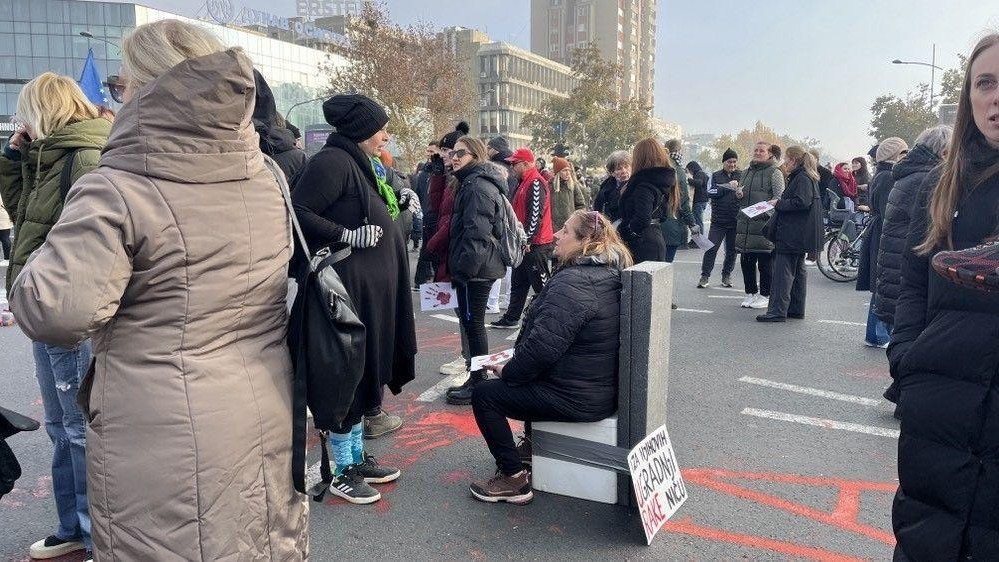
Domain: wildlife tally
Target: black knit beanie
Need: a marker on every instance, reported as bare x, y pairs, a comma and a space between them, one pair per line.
729, 154
355, 116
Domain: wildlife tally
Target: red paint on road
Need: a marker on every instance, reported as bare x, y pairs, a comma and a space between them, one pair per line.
685, 527
456, 476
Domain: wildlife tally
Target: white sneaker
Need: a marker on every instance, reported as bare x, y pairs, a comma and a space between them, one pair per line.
760, 301
455, 367
493, 308
52, 547
749, 300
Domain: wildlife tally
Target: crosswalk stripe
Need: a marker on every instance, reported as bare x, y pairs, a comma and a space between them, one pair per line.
445, 318
726, 297
811, 391
695, 310
820, 422
842, 322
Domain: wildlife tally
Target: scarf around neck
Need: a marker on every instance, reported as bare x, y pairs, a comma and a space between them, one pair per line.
384, 189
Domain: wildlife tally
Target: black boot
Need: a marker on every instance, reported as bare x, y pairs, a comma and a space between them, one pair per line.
462, 395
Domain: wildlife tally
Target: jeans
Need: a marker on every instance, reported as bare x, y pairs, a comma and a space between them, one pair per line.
878, 331
59, 372
750, 262
472, 297
532, 273
698, 210
494, 401
671, 253
790, 281
716, 236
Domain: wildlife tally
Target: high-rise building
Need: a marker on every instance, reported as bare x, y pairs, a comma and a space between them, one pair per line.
623, 30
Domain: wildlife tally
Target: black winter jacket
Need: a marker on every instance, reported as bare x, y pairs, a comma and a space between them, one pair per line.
276, 142
944, 355
570, 338
608, 199
698, 182
798, 216
880, 188
643, 205
825, 176
473, 240
724, 205
909, 175
511, 179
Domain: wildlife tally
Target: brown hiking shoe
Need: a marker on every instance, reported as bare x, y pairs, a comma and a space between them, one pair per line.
514, 489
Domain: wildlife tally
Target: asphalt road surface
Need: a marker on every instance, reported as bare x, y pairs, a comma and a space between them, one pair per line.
787, 450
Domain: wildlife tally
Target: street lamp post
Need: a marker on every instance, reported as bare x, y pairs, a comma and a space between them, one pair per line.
287, 114
90, 35
933, 68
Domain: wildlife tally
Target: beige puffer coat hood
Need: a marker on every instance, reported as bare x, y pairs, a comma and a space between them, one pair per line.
172, 256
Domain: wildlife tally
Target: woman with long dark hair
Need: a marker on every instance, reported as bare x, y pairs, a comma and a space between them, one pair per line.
943, 352
650, 195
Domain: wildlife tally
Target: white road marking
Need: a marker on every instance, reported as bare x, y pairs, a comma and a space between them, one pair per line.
686, 261
732, 289
842, 322
312, 476
436, 391
445, 318
812, 391
820, 422
725, 297
513, 336
695, 310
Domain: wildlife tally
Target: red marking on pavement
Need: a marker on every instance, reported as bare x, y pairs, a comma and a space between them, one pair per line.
687, 528
18, 496
476, 554
456, 476
875, 373
383, 506
556, 529
431, 339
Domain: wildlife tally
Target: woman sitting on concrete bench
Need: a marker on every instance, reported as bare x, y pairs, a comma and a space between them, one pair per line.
565, 363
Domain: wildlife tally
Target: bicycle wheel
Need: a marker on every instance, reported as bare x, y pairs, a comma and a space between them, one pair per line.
845, 259
831, 254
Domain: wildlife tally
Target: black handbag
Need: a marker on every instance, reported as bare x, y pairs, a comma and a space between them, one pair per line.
10, 424
326, 339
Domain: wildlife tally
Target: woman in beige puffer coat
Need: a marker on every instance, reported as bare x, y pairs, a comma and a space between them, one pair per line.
172, 255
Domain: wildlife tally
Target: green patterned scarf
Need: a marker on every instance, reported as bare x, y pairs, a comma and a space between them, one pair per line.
384, 189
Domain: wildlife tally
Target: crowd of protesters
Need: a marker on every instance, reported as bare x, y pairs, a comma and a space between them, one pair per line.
178, 337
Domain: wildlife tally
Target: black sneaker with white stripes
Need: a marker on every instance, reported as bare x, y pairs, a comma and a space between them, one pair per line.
351, 486
374, 473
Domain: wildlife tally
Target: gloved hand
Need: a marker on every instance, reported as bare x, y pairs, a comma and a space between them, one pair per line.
366, 236
695, 229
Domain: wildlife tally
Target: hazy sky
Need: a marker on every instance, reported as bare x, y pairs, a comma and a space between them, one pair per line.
804, 67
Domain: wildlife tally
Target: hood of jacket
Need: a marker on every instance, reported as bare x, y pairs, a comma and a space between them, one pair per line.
919, 159
661, 178
273, 139
486, 171
694, 168
89, 133
192, 124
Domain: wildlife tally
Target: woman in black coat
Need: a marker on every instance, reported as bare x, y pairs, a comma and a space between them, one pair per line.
650, 195
796, 230
608, 196
565, 362
944, 352
473, 256
275, 141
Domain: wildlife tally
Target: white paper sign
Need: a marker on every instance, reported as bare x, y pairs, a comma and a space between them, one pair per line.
702, 241
655, 475
437, 296
757, 209
480, 361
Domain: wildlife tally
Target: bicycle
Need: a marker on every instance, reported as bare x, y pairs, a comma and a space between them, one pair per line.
842, 243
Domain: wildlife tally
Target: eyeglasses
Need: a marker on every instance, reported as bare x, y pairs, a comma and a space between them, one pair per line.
116, 87
460, 153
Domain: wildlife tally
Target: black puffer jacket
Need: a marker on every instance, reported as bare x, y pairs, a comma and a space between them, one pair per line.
643, 205
944, 356
798, 216
473, 240
909, 175
276, 142
570, 338
698, 182
608, 199
880, 188
724, 205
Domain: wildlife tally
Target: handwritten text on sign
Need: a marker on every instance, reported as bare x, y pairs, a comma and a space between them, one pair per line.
656, 478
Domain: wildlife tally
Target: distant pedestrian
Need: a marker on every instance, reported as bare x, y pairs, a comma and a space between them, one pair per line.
499, 151
649, 196
725, 190
762, 181
185, 253
676, 223
567, 193
861, 173
607, 199
796, 231
276, 141
425, 261
59, 138
844, 185
889, 152
698, 181
944, 346
533, 207
5, 225
825, 177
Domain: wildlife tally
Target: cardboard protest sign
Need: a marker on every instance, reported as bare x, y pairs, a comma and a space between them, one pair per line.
480, 361
656, 478
702, 241
437, 296
757, 209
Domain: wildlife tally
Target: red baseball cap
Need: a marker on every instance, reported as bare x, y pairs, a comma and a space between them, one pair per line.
521, 155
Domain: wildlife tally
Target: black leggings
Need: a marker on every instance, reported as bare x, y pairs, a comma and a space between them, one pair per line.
749, 264
532, 273
472, 299
5, 243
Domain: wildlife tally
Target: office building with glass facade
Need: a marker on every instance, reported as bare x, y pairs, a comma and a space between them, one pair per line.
44, 35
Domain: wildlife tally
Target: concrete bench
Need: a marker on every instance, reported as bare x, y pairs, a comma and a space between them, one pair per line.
589, 460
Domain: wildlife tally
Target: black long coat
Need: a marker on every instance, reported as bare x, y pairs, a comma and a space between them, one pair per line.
643, 204
909, 175
276, 142
944, 356
798, 216
336, 190
880, 188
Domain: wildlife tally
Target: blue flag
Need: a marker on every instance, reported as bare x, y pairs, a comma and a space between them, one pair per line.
91, 83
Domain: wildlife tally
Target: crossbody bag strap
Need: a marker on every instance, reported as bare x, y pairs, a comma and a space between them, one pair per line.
66, 176
286, 193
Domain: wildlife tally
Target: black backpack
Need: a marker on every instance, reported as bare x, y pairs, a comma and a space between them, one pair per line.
326, 339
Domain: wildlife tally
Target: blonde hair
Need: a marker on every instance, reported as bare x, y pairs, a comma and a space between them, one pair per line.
154, 48
600, 239
804, 159
49, 102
